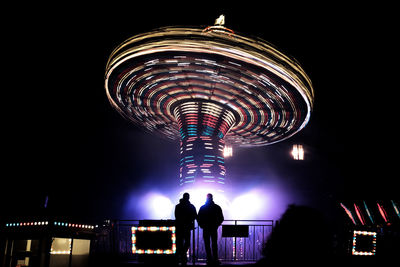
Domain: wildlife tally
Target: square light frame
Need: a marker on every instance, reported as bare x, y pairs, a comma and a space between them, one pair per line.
357, 252
154, 229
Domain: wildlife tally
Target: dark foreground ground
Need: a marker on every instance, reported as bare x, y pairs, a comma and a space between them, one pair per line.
346, 261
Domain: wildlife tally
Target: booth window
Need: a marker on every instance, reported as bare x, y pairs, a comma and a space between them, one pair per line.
66, 252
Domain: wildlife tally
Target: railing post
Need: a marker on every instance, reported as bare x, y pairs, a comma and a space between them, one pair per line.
193, 246
198, 238
234, 256
254, 242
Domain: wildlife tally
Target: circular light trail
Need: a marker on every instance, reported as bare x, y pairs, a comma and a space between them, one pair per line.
208, 87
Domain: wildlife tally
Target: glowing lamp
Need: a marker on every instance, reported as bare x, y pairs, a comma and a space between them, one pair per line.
252, 204
159, 206
228, 152
298, 152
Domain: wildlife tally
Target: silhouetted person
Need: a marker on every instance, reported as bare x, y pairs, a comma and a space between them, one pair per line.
301, 238
210, 218
185, 214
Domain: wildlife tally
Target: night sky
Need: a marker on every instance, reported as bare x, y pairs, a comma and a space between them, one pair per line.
62, 139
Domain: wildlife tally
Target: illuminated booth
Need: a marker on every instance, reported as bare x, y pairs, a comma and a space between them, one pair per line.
47, 243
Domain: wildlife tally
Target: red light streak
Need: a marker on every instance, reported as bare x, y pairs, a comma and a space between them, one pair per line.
359, 215
348, 213
383, 212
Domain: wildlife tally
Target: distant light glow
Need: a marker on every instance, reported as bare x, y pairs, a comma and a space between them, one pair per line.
161, 206
220, 21
228, 151
249, 205
272, 201
298, 152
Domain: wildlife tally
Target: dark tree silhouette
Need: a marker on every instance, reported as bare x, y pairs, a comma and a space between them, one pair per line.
301, 236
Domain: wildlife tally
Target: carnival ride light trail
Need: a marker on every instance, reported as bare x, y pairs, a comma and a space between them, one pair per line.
208, 87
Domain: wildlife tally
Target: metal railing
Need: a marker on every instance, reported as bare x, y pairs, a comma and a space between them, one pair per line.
229, 248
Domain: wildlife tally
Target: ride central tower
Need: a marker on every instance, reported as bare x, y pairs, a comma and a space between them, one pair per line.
202, 127
208, 87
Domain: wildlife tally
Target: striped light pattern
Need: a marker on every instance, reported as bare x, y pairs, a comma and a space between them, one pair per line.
154, 229
46, 223
148, 75
74, 225
31, 223
298, 152
208, 87
202, 127
356, 251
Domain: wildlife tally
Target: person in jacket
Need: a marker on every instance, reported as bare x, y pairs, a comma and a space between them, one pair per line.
210, 217
185, 214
